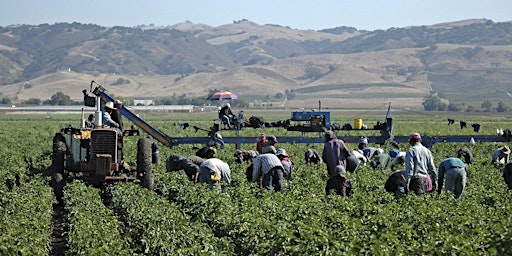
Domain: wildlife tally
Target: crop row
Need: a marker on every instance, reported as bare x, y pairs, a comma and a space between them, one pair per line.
93, 228
158, 227
26, 218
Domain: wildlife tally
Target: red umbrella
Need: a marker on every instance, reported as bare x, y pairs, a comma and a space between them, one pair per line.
222, 95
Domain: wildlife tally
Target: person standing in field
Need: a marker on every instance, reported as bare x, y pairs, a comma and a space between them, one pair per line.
455, 171
116, 115
335, 152
419, 163
269, 147
261, 142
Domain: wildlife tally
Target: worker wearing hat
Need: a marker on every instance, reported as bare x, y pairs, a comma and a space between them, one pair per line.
419, 163
501, 155
261, 142
116, 115
287, 163
107, 115
270, 145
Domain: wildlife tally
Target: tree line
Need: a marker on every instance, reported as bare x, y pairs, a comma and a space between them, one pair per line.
433, 102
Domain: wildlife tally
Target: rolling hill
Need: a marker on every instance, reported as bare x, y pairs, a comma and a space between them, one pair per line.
464, 62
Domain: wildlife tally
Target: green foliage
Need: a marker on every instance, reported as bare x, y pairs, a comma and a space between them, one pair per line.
433, 102
93, 229
181, 217
59, 99
26, 218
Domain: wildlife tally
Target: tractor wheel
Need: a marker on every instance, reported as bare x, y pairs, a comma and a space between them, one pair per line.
58, 181
144, 163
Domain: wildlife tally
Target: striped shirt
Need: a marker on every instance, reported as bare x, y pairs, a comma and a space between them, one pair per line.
262, 164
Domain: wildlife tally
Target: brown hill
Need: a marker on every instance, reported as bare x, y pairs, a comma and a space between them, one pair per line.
343, 67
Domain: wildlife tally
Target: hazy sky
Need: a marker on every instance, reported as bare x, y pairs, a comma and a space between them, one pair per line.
298, 14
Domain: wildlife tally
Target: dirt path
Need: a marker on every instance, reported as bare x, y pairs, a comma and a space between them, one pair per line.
59, 240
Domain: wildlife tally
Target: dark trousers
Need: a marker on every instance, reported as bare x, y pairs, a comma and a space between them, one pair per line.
273, 180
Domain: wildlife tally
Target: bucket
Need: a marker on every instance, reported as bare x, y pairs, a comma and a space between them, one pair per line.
358, 123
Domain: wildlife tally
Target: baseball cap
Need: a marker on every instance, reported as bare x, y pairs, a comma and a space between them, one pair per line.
415, 136
272, 138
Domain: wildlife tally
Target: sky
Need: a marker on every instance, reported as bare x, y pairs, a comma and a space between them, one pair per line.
297, 14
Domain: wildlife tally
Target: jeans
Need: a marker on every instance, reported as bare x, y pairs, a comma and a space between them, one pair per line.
273, 180
455, 181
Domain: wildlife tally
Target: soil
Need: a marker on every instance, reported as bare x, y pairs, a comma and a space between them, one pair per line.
59, 240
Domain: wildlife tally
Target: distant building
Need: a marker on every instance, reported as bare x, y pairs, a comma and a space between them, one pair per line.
143, 103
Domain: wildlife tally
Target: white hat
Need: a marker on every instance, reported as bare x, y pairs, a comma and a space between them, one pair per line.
281, 152
228, 105
110, 105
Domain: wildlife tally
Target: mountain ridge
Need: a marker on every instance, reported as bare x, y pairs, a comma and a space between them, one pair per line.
256, 61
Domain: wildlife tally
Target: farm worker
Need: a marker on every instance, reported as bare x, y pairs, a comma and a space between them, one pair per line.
398, 160
501, 155
466, 154
116, 115
419, 163
190, 165
89, 123
507, 175
287, 163
381, 159
339, 182
226, 115
359, 155
213, 170
455, 171
334, 153
262, 141
107, 115
396, 184
370, 152
270, 146
271, 168
362, 143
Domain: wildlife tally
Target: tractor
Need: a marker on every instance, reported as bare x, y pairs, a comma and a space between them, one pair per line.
96, 155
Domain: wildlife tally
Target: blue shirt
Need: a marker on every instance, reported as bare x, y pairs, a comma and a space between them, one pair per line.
449, 163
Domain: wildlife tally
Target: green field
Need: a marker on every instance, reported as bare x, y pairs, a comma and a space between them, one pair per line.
182, 218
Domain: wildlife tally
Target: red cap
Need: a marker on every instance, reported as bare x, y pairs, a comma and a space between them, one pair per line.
415, 136
263, 135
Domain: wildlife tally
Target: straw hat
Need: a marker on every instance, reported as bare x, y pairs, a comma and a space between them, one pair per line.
505, 150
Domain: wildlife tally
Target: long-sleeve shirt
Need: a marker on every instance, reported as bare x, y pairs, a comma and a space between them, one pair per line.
335, 152
107, 120
262, 164
419, 163
499, 157
448, 164
217, 165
